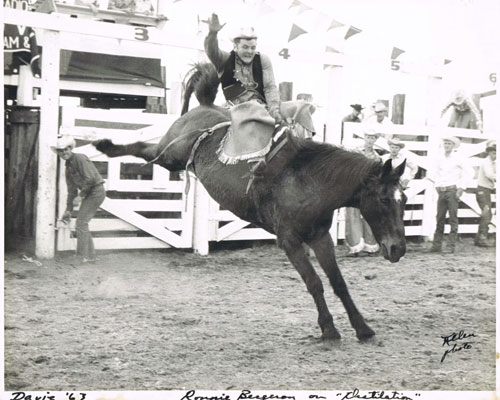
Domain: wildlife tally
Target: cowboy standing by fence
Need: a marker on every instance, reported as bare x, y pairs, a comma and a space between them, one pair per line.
244, 73
397, 155
449, 175
486, 182
81, 175
358, 234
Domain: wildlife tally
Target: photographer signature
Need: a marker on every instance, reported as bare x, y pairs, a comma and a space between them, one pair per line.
456, 342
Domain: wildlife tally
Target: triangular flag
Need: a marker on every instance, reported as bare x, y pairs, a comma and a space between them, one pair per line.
351, 32
446, 61
396, 53
264, 9
335, 24
295, 32
295, 3
329, 49
326, 66
303, 8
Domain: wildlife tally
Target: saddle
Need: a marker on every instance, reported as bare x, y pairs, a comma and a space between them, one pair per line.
250, 136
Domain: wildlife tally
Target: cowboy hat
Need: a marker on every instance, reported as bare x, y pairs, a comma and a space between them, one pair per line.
246, 32
63, 142
370, 131
453, 139
380, 107
357, 107
396, 142
458, 97
491, 145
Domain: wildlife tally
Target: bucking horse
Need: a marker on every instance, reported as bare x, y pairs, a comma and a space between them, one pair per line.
294, 199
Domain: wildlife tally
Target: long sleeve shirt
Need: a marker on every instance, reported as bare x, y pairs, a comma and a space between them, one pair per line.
243, 72
487, 173
448, 171
81, 174
456, 122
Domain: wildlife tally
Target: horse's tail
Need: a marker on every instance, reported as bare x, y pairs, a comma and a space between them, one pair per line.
201, 80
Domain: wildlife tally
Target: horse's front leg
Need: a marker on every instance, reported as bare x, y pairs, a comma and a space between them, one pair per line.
146, 151
325, 254
296, 254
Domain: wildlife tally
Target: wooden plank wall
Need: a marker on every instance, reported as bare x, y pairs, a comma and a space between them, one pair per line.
21, 142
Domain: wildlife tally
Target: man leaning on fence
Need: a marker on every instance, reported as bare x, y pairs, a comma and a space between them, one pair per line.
486, 182
449, 174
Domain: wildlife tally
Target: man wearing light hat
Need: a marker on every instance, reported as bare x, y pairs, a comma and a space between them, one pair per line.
464, 112
449, 174
358, 234
81, 175
397, 156
244, 73
486, 183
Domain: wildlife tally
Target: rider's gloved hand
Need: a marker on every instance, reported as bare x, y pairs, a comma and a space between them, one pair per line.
214, 25
277, 116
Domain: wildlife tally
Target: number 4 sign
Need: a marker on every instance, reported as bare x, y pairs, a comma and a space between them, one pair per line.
284, 53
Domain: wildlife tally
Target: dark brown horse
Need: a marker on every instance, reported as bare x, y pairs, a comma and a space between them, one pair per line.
296, 203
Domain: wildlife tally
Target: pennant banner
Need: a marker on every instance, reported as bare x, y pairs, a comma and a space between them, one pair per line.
295, 32
396, 53
303, 8
334, 24
265, 9
446, 61
329, 49
351, 32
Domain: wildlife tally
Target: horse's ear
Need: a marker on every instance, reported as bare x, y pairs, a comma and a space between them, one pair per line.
400, 169
386, 170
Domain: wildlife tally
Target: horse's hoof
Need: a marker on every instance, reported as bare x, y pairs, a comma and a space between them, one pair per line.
366, 335
102, 145
330, 335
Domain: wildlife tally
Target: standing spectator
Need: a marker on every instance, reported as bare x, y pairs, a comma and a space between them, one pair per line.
354, 116
486, 182
358, 234
450, 177
464, 112
81, 175
380, 120
397, 155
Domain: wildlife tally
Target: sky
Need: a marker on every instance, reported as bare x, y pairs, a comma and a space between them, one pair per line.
466, 32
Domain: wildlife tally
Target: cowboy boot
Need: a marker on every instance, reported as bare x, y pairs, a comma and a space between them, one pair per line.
482, 241
452, 242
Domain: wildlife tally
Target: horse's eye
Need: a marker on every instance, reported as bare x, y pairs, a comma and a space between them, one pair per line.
385, 201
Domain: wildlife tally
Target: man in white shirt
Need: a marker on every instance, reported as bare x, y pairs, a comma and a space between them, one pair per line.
450, 180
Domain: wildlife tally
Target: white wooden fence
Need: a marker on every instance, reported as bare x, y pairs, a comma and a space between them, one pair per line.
146, 206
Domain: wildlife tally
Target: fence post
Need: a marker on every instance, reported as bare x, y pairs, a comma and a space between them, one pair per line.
201, 219
47, 160
429, 206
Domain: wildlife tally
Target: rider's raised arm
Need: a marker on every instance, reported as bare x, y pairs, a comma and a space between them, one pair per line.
217, 56
270, 89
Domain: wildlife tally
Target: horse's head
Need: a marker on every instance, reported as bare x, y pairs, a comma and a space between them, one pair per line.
382, 204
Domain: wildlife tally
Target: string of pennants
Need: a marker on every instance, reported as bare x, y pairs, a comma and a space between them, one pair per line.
332, 24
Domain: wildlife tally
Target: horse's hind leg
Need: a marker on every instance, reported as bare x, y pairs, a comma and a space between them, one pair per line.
147, 151
296, 254
325, 254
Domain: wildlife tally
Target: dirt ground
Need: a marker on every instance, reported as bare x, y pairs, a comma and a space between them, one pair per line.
242, 318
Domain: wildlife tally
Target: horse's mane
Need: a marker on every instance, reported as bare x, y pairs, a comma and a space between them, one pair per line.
323, 160
201, 80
